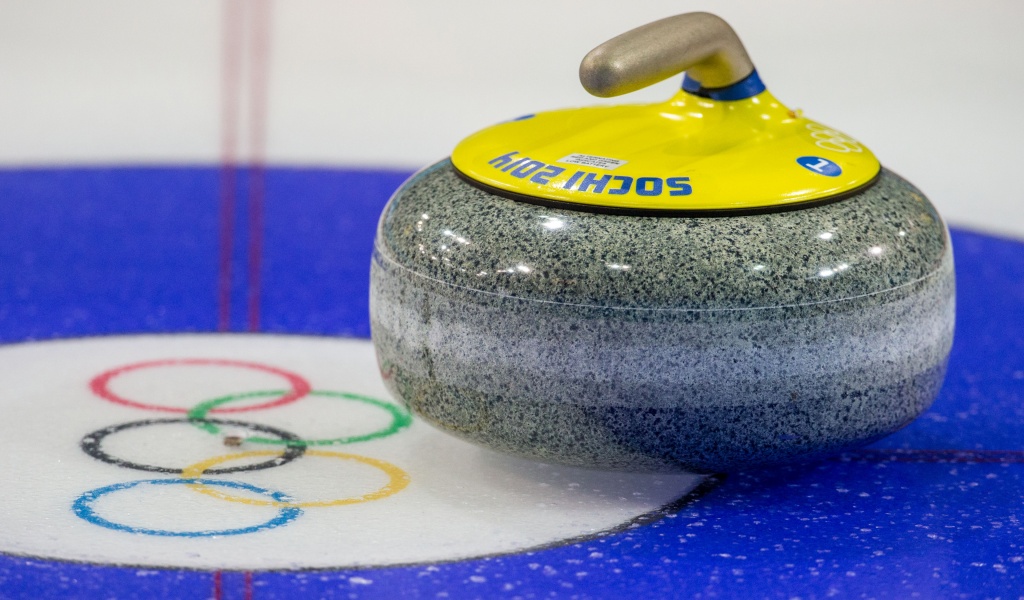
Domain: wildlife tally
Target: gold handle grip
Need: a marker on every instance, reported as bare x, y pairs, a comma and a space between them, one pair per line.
700, 43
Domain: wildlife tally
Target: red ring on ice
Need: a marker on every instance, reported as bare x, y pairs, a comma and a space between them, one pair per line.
100, 384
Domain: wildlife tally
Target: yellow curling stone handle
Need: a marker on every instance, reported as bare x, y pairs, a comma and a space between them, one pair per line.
722, 143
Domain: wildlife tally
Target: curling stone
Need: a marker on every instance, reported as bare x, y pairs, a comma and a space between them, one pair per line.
707, 284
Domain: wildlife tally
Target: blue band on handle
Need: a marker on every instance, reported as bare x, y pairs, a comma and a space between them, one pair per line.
749, 86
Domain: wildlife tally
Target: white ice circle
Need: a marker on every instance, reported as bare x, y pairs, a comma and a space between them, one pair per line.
461, 501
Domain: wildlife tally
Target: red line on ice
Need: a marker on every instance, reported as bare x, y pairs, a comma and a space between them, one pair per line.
230, 80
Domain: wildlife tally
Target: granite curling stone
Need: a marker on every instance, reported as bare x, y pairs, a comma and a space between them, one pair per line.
656, 336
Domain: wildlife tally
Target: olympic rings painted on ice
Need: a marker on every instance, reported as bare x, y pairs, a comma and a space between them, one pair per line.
291, 447
100, 385
397, 479
83, 507
400, 419
92, 444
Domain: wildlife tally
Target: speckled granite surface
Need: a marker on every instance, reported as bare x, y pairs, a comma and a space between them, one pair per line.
661, 343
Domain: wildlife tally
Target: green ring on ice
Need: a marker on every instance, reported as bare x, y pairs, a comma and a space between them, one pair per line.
400, 418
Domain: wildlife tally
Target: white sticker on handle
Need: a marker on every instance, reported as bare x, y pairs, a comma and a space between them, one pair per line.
589, 160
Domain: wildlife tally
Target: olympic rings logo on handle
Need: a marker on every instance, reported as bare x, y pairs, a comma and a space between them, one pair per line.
830, 139
285, 447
